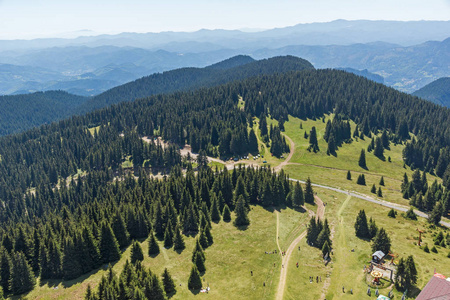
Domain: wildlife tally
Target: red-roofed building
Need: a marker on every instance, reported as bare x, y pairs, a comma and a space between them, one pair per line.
438, 288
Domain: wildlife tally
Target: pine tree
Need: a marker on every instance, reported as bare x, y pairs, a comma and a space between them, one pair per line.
381, 241
168, 236
374, 189
362, 159
215, 213
411, 271
410, 214
194, 281
435, 215
71, 266
209, 235
203, 239
153, 248
178, 240
373, 228
324, 235
309, 192
361, 226
379, 192
198, 250
136, 253
392, 213
325, 249
199, 262
109, 247
5, 269
168, 284
226, 215
379, 149
252, 142
22, 277
349, 175
361, 180
241, 213
298, 199
120, 231
313, 144
312, 232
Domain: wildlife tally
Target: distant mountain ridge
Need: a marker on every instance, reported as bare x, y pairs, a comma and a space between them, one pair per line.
21, 112
437, 91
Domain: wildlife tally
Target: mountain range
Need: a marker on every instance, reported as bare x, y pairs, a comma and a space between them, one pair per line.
408, 55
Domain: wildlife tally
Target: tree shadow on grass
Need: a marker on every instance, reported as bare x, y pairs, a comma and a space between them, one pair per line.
195, 292
242, 227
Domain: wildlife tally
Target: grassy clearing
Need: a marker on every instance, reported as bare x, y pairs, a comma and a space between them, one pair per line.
331, 170
228, 261
346, 268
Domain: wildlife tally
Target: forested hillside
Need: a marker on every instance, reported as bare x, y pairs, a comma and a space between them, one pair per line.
235, 68
53, 218
21, 112
438, 92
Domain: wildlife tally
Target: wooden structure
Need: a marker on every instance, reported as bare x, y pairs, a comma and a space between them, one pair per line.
420, 235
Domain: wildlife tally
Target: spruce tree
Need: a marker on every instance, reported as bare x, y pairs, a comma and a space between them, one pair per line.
361, 226
153, 248
298, 199
209, 235
109, 247
154, 290
199, 262
214, 210
168, 284
381, 241
312, 232
5, 269
226, 215
178, 240
136, 253
392, 213
241, 213
168, 236
313, 144
349, 175
324, 236
203, 239
379, 149
379, 192
71, 267
309, 192
382, 181
194, 281
325, 249
22, 277
120, 231
252, 142
373, 228
362, 159
374, 189
198, 250
411, 271
435, 215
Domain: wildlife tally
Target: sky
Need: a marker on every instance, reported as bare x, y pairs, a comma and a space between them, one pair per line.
26, 19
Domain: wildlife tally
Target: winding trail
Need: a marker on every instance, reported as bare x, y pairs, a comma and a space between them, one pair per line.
285, 259
376, 201
291, 153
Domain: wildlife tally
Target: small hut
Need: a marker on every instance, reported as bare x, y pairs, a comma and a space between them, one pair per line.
378, 256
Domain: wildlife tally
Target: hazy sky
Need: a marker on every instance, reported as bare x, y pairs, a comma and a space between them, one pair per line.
43, 18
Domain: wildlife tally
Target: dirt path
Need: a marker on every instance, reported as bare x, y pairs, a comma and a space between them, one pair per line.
285, 259
291, 153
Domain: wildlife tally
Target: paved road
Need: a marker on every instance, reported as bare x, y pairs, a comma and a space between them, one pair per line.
380, 202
